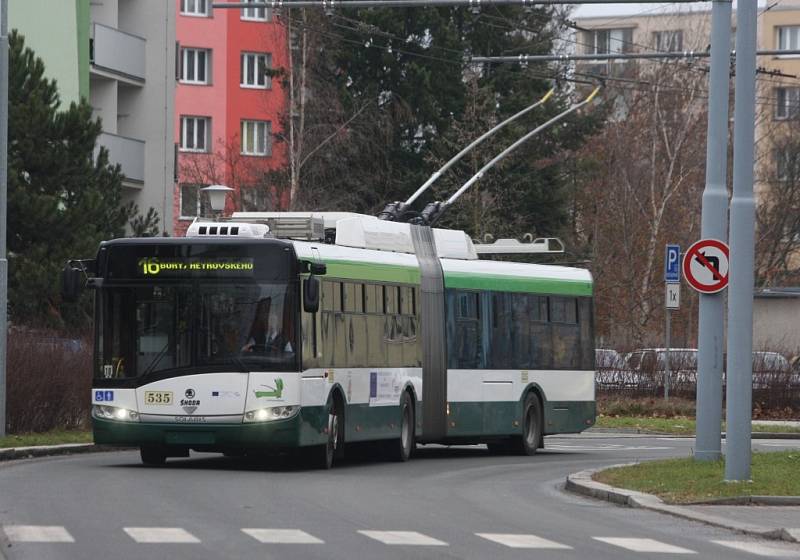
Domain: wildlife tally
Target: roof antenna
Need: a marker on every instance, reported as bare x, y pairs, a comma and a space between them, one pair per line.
395, 211
434, 210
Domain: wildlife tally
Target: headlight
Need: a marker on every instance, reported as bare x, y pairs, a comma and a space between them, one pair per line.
104, 412
272, 413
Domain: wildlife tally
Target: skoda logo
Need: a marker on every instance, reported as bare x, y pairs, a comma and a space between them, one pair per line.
189, 393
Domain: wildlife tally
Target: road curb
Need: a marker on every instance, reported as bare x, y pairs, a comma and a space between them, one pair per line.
640, 433
582, 483
13, 453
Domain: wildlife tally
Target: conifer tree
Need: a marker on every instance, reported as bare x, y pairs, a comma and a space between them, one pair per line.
63, 197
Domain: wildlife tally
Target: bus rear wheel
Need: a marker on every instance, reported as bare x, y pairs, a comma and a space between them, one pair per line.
152, 456
400, 449
531, 437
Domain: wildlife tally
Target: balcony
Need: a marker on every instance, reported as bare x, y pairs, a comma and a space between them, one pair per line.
113, 51
127, 152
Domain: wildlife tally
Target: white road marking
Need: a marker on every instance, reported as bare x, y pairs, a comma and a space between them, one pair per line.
761, 549
282, 536
604, 447
645, 545
160, 535
37, 533
403, 538
522, 541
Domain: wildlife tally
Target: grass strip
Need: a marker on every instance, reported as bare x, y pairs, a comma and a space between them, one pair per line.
677, 425
54, 437
684, 480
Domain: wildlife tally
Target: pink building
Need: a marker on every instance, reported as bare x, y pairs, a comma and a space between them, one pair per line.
227, 109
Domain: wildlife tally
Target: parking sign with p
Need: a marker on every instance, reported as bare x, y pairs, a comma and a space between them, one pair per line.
672, 267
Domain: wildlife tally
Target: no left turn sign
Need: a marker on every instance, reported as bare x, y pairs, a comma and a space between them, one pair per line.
705, 266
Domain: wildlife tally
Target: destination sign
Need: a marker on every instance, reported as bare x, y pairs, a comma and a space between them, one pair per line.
181, 267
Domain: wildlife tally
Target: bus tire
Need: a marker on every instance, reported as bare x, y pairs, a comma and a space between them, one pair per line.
400, 449
333, 450
528, 443
152, 456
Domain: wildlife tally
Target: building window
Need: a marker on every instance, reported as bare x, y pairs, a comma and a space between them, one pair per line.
256, 138
194, 134
195, 65
608, 41
255, 198
253, 70
787, 164
668, 41
194, 7
787, 102
256, 14
194, 202
789, 38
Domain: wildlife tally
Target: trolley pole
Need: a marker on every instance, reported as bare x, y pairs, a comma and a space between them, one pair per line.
3, 209
740, 298
714, 225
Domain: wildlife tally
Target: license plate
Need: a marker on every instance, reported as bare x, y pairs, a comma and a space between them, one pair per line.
158, 397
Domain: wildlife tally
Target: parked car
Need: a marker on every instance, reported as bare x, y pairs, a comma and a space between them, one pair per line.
607, 358
647, 366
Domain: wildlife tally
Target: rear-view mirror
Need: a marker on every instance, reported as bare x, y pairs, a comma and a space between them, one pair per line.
311, 294
72, 280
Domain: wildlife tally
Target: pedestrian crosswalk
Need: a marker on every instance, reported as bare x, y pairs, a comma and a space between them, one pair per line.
289, 536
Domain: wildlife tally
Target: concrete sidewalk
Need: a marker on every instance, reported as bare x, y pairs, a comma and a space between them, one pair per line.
780, 522
11, 453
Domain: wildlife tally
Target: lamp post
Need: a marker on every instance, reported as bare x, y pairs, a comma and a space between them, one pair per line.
216, 196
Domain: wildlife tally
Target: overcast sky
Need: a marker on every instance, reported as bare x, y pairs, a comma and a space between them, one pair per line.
590, 10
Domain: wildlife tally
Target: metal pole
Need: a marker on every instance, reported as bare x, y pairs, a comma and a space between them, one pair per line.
523, 58
666, 354
3, 210
455, 159
3, 204
450, 201
740, 297
714, 224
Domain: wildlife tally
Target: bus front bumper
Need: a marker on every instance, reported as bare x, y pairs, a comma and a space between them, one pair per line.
306, 428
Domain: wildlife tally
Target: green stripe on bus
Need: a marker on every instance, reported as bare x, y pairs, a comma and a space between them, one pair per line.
471, 281
378, 272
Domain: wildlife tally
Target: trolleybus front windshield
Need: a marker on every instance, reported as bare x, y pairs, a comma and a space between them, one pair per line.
182, 323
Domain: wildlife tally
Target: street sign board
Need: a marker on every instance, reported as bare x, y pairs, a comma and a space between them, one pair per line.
705, 266
672, 264
673, 295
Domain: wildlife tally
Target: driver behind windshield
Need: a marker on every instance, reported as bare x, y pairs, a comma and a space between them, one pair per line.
265, 334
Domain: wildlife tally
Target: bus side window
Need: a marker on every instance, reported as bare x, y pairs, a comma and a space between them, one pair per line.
327, 295
390, 299
371, 297
349, 300
337, 297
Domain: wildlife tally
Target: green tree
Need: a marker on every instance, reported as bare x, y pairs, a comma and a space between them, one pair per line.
63, 197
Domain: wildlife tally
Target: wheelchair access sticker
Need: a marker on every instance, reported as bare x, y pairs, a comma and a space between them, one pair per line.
104, 396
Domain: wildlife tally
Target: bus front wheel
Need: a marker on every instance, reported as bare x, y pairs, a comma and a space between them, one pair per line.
324, 456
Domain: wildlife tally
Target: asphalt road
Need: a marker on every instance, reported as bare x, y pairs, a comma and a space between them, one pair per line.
455, 502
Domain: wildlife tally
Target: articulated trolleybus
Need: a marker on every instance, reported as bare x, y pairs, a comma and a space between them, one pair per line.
278, 332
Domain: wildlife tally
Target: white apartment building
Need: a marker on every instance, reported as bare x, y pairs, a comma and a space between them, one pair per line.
132, 89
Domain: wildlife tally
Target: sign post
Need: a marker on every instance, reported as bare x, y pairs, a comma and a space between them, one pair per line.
672, 277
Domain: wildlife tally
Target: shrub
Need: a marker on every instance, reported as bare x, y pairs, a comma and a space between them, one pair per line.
49, 379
